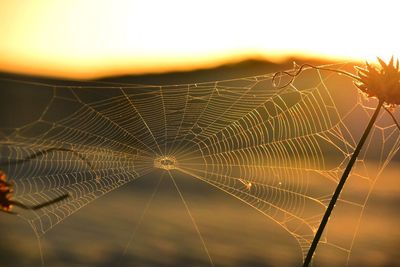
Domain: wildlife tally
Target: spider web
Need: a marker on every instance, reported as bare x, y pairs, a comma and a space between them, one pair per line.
279, 150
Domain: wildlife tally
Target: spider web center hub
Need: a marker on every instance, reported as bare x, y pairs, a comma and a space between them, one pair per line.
165, 162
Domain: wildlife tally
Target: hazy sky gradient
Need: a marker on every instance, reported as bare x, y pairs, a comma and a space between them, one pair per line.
101, 37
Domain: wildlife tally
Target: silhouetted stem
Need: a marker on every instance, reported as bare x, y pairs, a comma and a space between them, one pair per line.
340, 186
47, 151
39, 206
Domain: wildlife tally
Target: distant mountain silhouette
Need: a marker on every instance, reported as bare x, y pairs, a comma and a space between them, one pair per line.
240, 69
245, 68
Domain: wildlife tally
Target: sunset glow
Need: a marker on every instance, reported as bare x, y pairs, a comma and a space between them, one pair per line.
84, 39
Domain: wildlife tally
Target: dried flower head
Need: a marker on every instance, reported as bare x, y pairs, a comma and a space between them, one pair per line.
5, 193
382, 82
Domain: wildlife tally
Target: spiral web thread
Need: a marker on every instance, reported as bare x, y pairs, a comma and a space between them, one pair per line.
281, 151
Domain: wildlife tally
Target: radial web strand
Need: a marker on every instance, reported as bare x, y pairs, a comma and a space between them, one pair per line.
279, 150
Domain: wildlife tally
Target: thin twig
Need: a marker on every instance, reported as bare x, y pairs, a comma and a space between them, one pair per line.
340, 186
296, 73
41, 205
393, 117
47, 151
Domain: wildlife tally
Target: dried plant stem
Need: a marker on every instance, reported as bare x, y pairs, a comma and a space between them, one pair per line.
340, 186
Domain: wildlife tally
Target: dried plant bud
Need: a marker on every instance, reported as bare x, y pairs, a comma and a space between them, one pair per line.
382, 82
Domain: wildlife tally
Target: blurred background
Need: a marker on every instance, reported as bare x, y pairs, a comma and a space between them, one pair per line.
90, 39
174, 42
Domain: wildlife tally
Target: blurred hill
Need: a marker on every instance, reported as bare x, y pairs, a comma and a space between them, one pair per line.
245, 68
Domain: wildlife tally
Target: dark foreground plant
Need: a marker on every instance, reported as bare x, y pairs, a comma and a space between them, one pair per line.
382, 83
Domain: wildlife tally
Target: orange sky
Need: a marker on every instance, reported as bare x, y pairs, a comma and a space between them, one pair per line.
85, 39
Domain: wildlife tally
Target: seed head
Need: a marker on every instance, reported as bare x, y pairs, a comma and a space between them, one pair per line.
382, 82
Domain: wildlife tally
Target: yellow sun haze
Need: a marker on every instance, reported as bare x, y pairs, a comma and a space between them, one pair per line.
84, 39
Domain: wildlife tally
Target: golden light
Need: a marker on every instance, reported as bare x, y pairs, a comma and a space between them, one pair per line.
91, 38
